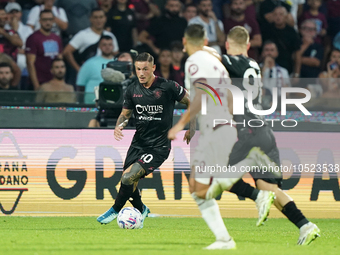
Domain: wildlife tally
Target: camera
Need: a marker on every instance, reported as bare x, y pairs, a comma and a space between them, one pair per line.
116, 75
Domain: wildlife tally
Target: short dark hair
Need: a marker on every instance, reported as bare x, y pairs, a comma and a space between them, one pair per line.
145, 57
176, 46
4, 64
105, 37
56, 60
96, 10
45, 11
268, 42
189, 5
195, 34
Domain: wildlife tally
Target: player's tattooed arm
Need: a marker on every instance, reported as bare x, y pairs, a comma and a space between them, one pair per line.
122, 121
123, 118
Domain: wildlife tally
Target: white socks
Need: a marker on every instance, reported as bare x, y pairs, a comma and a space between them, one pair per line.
211, 214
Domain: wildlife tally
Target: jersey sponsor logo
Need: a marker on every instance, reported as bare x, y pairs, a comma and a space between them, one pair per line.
137, 95
193, 69
149, 118
151, 109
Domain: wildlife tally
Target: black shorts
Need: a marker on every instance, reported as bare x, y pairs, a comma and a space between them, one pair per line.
149, 158
259, 137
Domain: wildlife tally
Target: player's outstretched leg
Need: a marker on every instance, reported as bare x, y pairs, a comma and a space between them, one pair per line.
136, 201
145, 214
211, 215
263, 202
308, 233
263, 161
129, 178
107, 216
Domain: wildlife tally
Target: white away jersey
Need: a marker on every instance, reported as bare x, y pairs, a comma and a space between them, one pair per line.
203, 66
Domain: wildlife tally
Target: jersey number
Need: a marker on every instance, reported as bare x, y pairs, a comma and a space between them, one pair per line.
147, 157
252, 82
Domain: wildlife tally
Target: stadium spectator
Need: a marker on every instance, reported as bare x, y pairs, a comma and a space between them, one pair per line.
144, 10
106, 5
238, 18
286, 39
26, 6
89, 75
60, 18
250, 11
14, 14
189, 12
85, 42
9, 39
320, 19
218, 8
4, 58
267, 12
165, 69
78, 15
177, 56
274, 75
121, 21
214, 27
333, 17
41, 48
56, 90
296, 10
6, 76
310, 51
330, 79
165, 29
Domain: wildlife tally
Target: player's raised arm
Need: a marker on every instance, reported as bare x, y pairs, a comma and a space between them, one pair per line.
190, 114
122, 121
192, 126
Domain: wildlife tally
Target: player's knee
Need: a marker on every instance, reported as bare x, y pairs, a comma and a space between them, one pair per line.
126, 179
135, 173
201, 194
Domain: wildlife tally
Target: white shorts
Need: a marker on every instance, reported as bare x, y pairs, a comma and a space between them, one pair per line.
211, 155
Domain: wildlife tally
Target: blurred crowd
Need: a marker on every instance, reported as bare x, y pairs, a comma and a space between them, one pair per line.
61, 45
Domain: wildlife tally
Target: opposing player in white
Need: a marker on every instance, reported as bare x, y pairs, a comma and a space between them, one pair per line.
202, 71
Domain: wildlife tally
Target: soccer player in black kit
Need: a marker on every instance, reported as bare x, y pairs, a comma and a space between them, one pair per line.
152, 100
246, 74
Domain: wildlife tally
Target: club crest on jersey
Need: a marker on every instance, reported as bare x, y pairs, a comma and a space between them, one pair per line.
193, 69
157, 93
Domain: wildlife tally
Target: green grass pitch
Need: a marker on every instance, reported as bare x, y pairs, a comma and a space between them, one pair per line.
83, 235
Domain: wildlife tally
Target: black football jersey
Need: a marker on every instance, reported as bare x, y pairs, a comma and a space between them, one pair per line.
245, 73
153, 108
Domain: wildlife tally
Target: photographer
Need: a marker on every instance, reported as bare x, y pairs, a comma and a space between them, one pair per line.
112, 73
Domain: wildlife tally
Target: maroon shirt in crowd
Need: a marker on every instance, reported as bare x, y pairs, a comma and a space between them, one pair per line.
141, 7
320, 20
333, 7
252, 27
46, 48
7, 47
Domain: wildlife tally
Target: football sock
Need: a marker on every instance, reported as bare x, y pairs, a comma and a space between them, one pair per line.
294, 214
244, 189
211, 214
125, 192
136, 200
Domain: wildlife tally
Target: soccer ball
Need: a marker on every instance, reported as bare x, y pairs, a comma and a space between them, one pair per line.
129, 218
